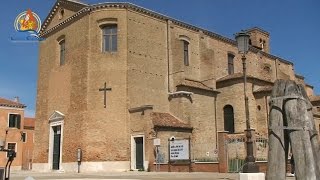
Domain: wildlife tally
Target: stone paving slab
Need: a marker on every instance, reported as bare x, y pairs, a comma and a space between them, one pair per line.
22, 175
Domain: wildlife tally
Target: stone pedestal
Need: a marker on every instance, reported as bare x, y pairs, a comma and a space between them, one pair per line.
252, 176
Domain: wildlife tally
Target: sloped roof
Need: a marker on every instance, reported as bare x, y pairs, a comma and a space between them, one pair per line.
263, 89
314, 98
29, 123
240, 76
8, 103
168, 120
195, 84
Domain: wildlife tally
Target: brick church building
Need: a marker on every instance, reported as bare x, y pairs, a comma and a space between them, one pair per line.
115, 76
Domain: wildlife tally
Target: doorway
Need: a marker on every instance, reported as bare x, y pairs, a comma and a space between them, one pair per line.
56, 147
139, 152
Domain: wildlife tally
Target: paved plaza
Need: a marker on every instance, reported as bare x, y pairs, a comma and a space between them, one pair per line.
27, 175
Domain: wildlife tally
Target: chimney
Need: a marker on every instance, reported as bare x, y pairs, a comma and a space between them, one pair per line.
16, 99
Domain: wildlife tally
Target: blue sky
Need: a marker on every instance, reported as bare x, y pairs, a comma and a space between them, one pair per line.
294, 28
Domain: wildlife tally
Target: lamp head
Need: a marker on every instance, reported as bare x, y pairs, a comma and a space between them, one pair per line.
242, 39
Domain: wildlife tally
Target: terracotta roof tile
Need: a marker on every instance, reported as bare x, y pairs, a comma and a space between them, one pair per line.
168, 120
195, 84
9, 103
29, 122
314, 98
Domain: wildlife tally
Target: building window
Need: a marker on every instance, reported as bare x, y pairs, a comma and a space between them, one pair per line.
230, 64
109, 37
186, 53
14, 120
228, 119
11, 146
62, 45
24, 137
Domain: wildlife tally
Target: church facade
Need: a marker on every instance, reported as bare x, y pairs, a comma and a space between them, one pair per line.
114, 76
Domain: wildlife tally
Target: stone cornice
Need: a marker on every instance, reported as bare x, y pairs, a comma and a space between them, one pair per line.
140, 109
56, 6
151, 13
259, 29
65, 22
299, 76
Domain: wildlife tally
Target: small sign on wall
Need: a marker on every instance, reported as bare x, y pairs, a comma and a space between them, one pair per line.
156, 142
179, 149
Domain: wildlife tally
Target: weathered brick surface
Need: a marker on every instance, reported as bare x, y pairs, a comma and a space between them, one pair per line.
147, 66
13, 136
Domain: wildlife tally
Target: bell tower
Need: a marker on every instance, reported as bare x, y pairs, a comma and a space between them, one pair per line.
259, 39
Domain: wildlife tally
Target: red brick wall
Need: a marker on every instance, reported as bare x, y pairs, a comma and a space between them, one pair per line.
195, 167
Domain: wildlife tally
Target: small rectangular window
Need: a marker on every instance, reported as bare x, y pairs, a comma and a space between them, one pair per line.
11, 146
186, 53
230, 64
109, 38
14, 121
24, 137
62, 52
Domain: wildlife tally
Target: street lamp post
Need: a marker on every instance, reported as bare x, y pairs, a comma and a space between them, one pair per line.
250, 166
11, 156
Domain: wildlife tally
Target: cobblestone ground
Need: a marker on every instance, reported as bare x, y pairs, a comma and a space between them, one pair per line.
25, 175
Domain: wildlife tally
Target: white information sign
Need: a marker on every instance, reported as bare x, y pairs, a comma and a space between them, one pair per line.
156, 142
179, 149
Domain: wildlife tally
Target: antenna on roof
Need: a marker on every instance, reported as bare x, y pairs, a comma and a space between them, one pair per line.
16, 99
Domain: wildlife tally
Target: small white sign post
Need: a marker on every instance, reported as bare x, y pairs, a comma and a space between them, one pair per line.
156, 143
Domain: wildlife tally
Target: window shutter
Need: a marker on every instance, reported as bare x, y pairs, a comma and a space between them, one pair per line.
11, 120
18, 121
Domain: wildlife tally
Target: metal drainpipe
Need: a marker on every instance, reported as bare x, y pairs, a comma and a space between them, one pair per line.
168, 55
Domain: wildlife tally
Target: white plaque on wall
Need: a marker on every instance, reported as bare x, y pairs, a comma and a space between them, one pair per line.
179, 149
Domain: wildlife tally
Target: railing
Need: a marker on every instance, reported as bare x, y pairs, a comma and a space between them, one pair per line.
236, 152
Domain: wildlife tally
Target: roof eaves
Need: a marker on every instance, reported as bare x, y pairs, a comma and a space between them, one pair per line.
14, 106
308, 85
54, 9
175, 21
173, 127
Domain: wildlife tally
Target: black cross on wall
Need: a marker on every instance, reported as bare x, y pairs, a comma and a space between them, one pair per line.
105, 89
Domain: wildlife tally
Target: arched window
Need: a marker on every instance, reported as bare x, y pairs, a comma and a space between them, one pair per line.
228, 118
230, 63
62, 45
